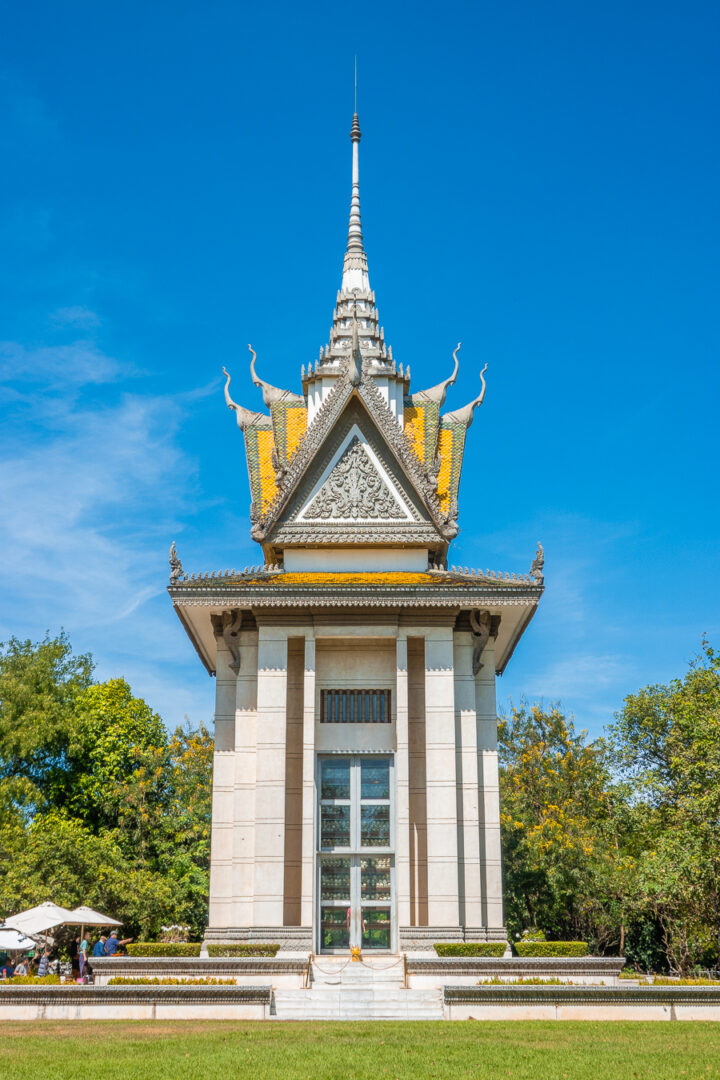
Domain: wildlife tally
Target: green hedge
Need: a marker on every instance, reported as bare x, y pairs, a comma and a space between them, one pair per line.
551, 948
471, 948
243, 950
162, 948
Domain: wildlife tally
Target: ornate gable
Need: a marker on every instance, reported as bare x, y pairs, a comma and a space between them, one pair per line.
352, 486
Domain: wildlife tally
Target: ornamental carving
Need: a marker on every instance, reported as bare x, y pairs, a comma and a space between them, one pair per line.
354, 490
226, 627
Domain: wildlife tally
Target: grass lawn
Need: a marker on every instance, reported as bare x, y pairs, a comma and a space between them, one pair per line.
536, 1050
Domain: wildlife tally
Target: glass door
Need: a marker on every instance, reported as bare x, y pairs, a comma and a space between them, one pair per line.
355, 854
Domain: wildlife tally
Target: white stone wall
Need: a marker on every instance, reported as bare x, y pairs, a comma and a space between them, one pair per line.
443, 734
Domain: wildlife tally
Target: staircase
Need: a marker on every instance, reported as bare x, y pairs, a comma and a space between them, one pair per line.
371, 989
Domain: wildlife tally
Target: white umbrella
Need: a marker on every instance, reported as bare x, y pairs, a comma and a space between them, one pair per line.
41, 918
86, 916
13, 941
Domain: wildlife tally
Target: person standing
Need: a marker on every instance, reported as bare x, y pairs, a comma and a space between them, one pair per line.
83, 955
44, 965
99, 949
113, 944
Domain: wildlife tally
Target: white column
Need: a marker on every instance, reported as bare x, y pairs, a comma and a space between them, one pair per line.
308, 785
490, 794
402, 784
270, 776
221, 841
244, 796
469, 793
442, 870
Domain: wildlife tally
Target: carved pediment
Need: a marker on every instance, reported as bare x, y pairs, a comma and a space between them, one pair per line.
355, 489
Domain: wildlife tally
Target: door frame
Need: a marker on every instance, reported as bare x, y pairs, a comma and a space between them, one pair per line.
355, 852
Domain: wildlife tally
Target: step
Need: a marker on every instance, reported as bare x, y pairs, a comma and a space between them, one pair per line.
350, 973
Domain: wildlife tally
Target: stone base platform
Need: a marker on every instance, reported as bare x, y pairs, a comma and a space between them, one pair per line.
251, 971
135, 1002
581, 1003
375, 988
424, 970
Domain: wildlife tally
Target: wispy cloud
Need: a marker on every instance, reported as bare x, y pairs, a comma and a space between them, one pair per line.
91, 496
57, 367
76, 315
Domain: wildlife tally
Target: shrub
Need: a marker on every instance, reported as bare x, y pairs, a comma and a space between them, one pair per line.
552, 948
34, 980
119, 980
246, 949
471, 948
163, 948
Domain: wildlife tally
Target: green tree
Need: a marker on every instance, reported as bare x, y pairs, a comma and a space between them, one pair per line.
666, 742
39, 687
98, 804
114, 737
57, 857
565, 871
186, 853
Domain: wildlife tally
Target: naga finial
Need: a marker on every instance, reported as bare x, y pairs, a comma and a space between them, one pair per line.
176, 567
270, 393
439, 392
538, 565
244, 416
465, 414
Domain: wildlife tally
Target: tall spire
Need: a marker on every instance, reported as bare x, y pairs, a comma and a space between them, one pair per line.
355, 270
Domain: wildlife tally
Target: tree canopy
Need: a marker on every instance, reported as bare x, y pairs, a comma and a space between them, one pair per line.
617, 840
99, 804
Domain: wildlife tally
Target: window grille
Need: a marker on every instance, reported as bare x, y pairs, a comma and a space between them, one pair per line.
355, 707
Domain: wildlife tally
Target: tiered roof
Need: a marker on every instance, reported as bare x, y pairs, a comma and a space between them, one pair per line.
427, 445
355, 459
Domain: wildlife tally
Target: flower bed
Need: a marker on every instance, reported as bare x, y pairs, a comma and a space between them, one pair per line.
247, 949
520, 981
33, 980
119, 980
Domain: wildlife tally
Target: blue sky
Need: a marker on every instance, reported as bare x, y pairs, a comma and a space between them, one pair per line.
539, 181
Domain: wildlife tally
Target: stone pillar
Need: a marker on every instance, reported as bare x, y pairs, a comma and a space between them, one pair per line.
442, 869
270, 776
244, 795
402, 784
491, 862
221, 841
307, 909
469, 792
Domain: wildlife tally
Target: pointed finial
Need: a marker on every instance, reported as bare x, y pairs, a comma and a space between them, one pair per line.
355, 110
355, 271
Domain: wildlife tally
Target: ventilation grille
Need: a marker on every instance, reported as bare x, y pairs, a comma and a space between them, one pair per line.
355, 707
